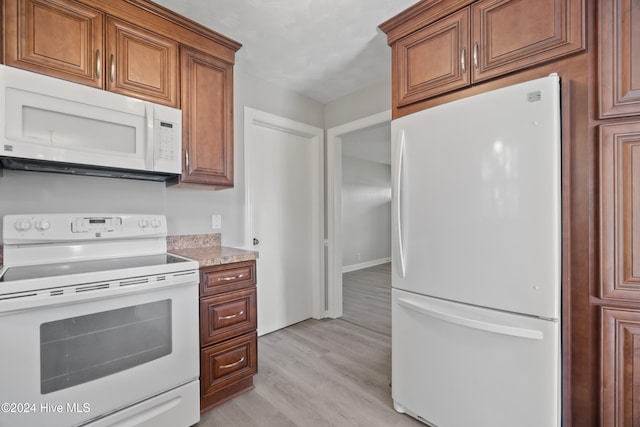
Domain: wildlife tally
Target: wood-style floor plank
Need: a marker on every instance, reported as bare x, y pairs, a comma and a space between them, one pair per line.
367, 298
330, 372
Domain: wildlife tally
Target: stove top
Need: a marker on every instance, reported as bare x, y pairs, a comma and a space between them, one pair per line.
51, 255
40, 271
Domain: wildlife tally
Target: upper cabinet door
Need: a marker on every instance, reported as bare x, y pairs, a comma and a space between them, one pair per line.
207, 119
512, 34
55, 37
433, 60
620, 210
141, 64
619, 42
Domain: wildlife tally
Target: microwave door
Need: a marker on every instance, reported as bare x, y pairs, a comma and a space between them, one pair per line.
107, 130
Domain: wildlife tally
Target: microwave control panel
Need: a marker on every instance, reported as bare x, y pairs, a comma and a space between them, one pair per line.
166, 142
167, 137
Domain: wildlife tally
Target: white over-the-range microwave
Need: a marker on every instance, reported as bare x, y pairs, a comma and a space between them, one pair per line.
52, 125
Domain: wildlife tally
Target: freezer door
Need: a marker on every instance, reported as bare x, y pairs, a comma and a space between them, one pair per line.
476, 200
455, 365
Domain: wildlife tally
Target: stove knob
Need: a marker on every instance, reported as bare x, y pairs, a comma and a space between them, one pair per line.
43, 225
143, 223
155, 223
23, 224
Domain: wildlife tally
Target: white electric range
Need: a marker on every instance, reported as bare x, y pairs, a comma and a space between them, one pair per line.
99, 324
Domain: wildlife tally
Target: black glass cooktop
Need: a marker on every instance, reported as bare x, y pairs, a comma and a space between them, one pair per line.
78, 267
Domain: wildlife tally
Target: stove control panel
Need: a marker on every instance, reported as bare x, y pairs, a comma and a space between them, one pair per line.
33, 228
96, 224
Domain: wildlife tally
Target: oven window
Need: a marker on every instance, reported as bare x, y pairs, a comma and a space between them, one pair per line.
84, 348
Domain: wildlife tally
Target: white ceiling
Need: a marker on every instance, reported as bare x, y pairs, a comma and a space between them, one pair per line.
323, 49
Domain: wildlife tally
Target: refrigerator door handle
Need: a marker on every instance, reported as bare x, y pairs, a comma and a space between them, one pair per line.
398, 186
471, 323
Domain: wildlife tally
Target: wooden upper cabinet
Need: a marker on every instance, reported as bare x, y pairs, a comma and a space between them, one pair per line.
433, 60
69, 40
620, 210
140, 63
207, 111
619, 44
440, 46
510, 35
60, 38
140, 49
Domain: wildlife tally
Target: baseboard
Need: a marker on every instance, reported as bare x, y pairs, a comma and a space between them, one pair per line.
367, 264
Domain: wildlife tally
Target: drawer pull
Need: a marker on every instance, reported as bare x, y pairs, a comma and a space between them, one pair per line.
231, 316
231, 365
226, 279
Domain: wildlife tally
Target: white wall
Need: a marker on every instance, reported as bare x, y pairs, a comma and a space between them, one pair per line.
366, 211
357, 105
188, 210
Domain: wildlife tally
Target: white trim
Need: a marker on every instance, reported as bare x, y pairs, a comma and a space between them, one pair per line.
366, 264
334, 204
256, 118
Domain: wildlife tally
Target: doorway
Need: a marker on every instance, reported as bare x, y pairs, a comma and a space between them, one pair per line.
336, 138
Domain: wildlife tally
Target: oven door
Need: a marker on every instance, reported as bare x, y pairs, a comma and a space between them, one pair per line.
72, 363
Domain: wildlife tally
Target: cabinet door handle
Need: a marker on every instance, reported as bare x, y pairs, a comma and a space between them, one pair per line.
186, 160
232, 316
98, 64
231, 365
226, 279
463, 62
475, 55
112, 66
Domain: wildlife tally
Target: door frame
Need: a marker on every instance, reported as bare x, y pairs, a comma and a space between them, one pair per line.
256, 118
334, 206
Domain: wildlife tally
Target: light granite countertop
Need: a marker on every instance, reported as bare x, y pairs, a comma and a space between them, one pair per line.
206, 249
215, 255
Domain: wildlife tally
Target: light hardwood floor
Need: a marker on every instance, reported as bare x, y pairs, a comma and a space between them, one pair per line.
331, 372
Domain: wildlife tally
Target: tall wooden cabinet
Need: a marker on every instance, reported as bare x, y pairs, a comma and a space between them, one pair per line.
617, 299
139, 49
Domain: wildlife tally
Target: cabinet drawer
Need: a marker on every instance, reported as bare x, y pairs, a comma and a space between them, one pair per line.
227, 315
227, 277
224, 364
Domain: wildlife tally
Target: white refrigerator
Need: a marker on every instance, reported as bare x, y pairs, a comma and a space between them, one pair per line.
476, 276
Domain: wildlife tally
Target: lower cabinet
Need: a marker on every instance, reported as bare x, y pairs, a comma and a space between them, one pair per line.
228, 338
